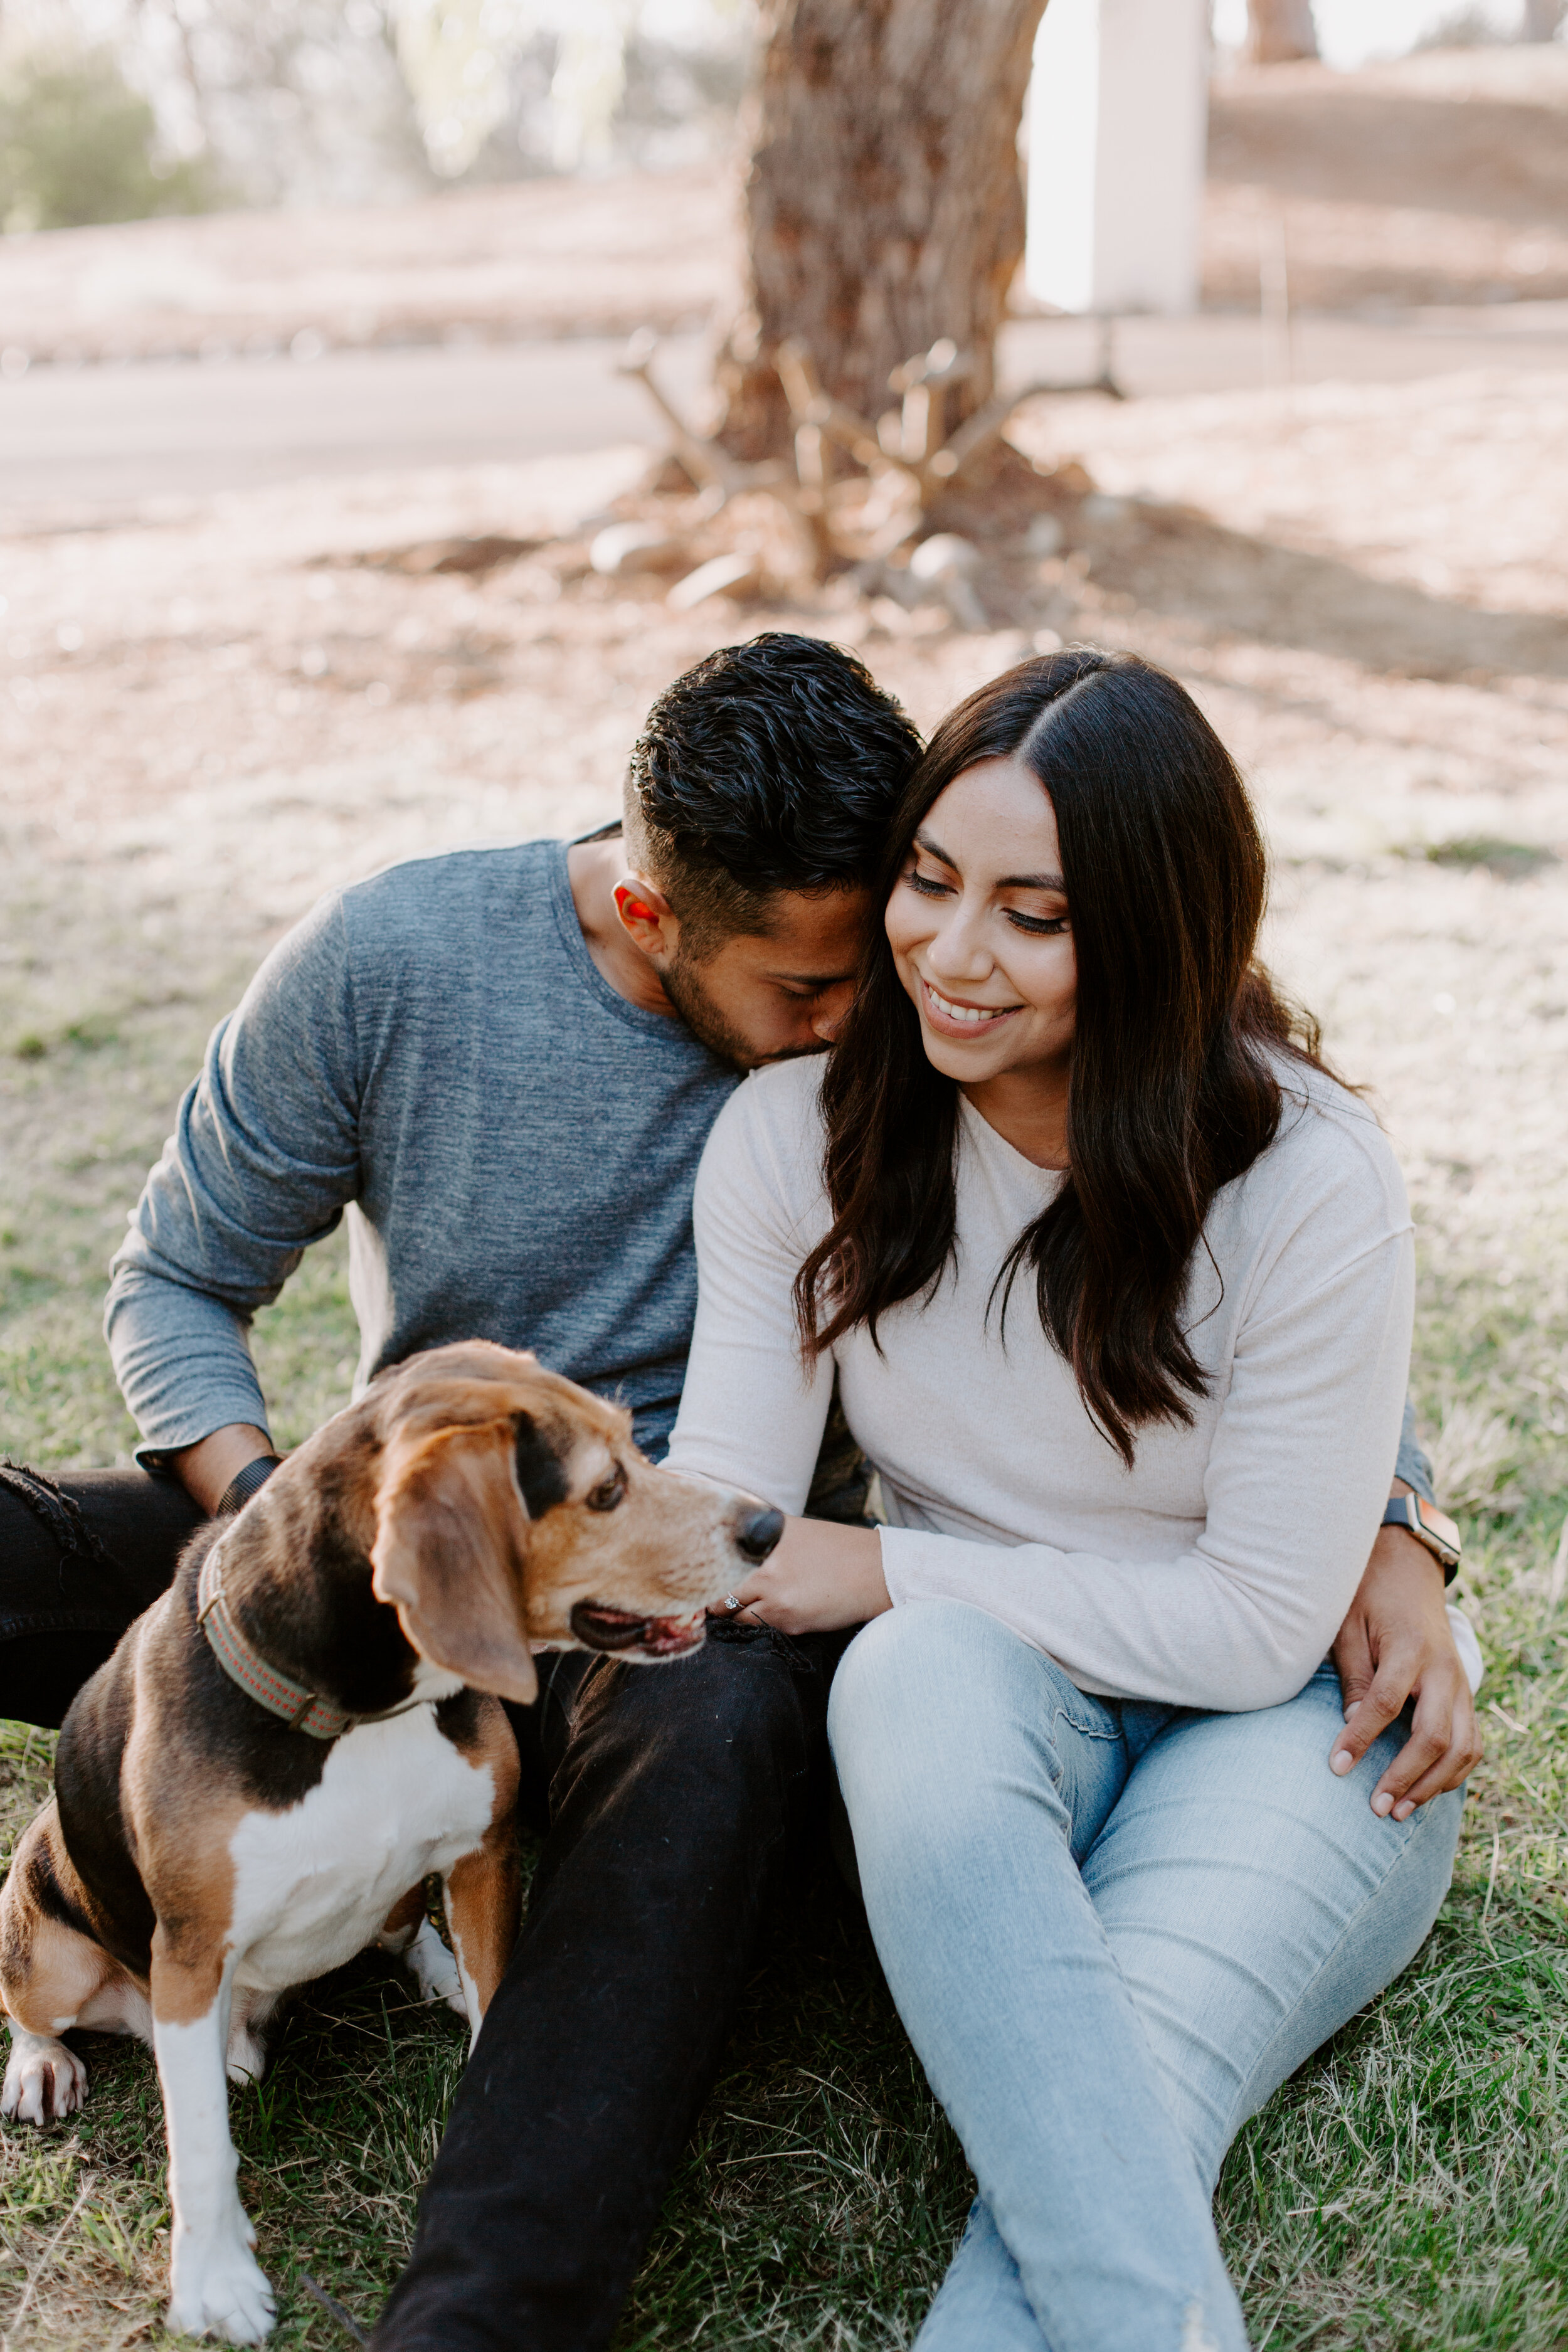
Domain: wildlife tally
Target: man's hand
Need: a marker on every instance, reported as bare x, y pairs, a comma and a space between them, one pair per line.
820, 1577
1396, 1641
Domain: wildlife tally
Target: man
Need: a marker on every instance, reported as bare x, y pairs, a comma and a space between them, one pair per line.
501, 1065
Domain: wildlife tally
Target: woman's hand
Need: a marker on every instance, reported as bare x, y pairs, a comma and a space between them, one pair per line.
1396, 1641
820, 1576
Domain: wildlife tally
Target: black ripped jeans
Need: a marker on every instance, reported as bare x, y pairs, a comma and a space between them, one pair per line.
669, 1797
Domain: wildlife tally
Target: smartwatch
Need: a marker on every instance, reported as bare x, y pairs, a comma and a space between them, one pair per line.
241, 1487
1429, 1525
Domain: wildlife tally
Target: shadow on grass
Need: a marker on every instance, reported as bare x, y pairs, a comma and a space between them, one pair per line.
1178, 563
822, 2199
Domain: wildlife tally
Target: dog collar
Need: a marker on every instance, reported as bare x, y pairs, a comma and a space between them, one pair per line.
301, 1708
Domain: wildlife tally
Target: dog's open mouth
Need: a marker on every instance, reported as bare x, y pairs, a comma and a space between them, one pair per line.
600, 1628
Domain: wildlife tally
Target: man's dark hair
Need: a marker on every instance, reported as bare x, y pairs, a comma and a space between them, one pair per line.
772, 766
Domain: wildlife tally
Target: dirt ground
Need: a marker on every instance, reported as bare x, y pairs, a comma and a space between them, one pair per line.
1440, 179
206, 722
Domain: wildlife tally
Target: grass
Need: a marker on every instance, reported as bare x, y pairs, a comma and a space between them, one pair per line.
1404, 2189
1407, 2188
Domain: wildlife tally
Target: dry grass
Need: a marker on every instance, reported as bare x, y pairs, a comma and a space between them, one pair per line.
178, 782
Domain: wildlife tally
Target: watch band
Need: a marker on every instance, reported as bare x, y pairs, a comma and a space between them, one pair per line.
243, 1484
1429, 1525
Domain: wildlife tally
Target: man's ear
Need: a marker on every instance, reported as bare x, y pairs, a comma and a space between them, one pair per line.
647, 917
451, 1542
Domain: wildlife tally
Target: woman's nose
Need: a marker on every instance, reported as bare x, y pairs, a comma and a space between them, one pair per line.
956, 950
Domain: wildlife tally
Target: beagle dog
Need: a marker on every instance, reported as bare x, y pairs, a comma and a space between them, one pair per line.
286, 1745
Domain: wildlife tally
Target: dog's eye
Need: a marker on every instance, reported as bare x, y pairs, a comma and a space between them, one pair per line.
609, 1493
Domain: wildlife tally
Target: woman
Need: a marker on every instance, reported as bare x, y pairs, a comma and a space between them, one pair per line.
1117, 1282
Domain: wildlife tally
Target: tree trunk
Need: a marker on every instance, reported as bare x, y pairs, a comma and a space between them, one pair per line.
1278, 31
882, 208
1542, 18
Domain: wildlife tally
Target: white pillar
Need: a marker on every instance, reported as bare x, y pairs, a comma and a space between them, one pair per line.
1118, 117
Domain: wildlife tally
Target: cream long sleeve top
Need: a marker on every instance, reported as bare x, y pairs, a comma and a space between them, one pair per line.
1216, 1571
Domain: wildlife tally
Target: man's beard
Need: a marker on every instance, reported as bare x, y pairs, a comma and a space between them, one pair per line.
707, 1023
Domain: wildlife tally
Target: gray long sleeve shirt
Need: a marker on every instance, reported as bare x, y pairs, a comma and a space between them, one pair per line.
434, 1053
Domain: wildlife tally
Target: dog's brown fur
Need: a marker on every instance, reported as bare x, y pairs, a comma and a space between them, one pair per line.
469, 1510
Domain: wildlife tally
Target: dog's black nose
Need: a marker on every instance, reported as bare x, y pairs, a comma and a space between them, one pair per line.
757, 1537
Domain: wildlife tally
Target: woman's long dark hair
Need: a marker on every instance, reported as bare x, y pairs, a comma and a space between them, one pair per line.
1172, 1091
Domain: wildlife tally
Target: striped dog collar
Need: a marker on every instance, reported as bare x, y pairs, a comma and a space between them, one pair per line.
280, 1694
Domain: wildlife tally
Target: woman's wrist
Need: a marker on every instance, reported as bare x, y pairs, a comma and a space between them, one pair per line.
823, 1576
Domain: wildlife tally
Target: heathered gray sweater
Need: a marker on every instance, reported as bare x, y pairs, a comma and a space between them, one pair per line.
434, 1053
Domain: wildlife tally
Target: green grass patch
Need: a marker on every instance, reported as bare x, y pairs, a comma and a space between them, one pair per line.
1511, 861
1404, 2191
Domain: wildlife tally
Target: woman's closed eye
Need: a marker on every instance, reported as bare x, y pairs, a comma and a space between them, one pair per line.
936, 886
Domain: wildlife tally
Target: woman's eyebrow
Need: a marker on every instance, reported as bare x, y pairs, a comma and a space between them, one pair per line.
934, 849
1007, 881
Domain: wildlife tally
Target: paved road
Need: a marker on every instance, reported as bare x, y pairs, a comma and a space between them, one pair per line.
104, 436
108, 436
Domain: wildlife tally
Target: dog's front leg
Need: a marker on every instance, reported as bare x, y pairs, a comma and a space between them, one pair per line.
216, 2285
483, 1895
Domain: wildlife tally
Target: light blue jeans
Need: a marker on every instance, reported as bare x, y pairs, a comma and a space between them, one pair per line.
1111, 1931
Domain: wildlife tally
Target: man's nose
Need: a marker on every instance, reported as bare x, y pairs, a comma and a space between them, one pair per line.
827, 1018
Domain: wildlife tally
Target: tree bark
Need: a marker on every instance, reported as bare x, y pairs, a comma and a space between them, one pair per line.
1279, 31
882, 208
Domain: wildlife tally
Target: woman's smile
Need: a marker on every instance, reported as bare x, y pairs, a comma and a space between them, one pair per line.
988, 911
951, 1017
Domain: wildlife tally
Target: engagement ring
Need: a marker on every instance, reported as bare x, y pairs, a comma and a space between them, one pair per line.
731, 1604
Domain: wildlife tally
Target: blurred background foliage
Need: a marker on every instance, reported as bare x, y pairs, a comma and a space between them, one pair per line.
79, 144
117, 109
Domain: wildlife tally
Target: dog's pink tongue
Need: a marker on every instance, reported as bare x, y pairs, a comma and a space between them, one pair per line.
675, 1633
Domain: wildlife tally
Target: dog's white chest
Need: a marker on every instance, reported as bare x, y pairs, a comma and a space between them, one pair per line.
313, 1884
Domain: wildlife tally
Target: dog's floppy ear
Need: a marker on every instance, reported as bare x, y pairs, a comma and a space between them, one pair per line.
450, 1543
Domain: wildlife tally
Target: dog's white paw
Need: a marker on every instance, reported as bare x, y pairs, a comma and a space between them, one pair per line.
44, 2080
220, 2289
246, 2057
434, 1969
